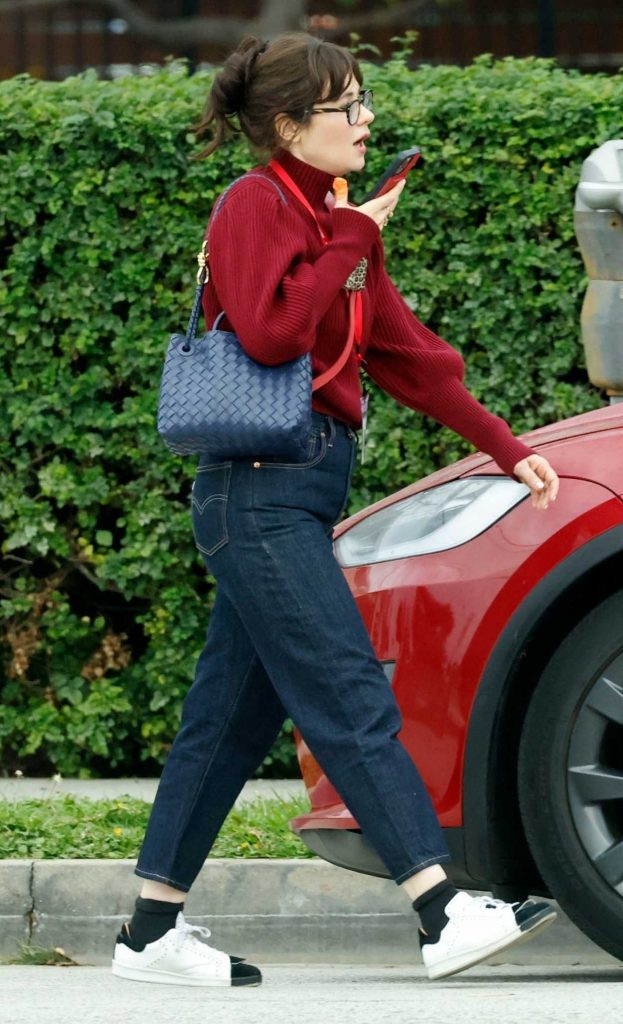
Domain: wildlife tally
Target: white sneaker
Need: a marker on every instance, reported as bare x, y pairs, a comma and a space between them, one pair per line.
478, 927
179, 958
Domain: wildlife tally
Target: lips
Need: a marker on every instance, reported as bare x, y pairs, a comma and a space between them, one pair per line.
363, 138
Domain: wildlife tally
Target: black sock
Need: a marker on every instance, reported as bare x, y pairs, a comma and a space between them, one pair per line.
150, 921
431, 907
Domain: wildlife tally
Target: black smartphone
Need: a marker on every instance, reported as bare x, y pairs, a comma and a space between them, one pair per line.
397, 170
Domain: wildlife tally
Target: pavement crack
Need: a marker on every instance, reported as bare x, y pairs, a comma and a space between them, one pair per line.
31, 912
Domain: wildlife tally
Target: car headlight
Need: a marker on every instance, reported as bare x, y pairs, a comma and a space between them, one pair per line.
434, 520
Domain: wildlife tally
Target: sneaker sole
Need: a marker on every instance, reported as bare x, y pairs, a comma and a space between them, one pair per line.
165, 978
460, 963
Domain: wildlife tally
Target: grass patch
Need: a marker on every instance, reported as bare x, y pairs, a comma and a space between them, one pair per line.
67, 827
39, 956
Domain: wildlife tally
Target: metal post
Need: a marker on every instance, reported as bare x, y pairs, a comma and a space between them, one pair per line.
190, 8
78, 40
20, 44
49, 43
547, 28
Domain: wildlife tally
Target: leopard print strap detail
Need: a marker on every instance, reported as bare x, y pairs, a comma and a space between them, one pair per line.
356, 281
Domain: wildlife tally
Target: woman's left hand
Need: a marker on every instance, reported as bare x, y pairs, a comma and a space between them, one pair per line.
536, 472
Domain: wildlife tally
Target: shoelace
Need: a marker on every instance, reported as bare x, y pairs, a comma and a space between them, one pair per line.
183, 930
490, 901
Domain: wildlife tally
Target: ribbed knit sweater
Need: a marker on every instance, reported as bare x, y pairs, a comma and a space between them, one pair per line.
282, 293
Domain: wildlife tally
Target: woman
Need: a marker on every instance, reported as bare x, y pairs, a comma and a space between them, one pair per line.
285, 636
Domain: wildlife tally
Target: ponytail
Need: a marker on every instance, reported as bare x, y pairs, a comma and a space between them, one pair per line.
227, 95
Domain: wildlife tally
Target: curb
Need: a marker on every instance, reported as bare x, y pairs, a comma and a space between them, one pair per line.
280, 911
141, 789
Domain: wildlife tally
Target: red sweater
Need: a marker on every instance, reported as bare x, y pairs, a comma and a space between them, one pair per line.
281, 290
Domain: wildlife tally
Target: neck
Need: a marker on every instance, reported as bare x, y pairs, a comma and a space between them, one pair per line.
313, 182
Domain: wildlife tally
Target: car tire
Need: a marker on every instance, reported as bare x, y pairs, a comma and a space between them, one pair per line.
570, 775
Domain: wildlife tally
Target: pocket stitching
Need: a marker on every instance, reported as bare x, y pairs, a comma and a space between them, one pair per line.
300, 465
214, 497
216, 465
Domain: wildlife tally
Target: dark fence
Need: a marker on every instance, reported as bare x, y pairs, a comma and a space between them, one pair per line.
55, 41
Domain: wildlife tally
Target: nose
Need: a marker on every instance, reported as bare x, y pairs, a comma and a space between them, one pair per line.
366, 115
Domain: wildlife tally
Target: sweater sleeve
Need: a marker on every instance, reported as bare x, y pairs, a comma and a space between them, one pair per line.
273, 292
425, 373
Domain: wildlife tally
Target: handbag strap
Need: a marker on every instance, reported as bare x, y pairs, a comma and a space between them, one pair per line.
355, 308
202, 260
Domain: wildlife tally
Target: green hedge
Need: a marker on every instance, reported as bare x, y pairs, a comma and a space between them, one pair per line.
105, 600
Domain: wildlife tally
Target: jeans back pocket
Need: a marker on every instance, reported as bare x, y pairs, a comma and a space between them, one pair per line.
209, 495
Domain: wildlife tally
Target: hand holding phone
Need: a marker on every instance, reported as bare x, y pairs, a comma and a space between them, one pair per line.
379, 209
380, 203
397, 171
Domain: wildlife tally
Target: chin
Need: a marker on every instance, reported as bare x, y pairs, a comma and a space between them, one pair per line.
353, 170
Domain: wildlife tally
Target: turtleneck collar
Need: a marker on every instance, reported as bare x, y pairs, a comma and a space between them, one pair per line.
313, 183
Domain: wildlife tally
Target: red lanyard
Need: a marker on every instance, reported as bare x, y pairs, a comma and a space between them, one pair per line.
358, 301
278, 169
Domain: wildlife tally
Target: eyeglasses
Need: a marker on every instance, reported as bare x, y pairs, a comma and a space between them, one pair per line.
352, 110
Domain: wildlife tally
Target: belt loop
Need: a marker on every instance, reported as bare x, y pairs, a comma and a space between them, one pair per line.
331, 429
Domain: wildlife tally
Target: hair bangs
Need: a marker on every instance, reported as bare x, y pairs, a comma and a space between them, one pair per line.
332, 67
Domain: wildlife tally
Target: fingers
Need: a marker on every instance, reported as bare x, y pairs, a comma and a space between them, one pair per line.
543, 482
538, 475
379, 209
552, 483
390, 199
388, 204
538, 492
383, 204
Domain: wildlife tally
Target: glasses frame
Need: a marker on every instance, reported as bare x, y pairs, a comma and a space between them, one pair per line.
364, 99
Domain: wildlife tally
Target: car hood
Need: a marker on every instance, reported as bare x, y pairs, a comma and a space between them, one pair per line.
609, 417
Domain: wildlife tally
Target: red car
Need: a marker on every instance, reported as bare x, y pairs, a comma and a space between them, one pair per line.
501, 630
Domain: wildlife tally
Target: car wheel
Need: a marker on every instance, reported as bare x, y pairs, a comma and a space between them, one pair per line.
571, 775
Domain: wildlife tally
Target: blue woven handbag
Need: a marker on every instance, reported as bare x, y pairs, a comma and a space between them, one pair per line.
215, 398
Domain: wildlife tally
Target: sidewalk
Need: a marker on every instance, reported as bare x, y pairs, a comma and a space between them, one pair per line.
314, 995
141, 789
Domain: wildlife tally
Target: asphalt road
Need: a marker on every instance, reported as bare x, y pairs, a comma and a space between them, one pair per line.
316, 995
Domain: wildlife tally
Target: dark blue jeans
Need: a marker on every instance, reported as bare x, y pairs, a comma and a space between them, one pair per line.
285, 639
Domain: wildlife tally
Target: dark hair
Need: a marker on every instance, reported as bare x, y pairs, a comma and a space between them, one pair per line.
260, 80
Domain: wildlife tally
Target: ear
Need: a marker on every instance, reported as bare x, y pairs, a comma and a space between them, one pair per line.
286, 128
